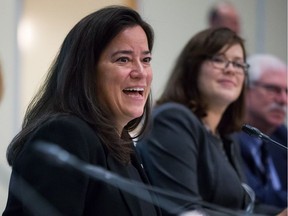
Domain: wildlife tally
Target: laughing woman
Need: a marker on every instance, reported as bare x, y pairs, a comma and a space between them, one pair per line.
96, 92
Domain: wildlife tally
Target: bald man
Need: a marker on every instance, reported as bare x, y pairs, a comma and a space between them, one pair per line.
224, 14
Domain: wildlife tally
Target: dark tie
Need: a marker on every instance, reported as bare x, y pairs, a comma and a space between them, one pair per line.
267, 168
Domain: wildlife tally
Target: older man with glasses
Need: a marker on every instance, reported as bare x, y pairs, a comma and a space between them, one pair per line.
265, 164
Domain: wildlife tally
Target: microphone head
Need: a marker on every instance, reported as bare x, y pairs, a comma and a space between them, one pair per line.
251, 131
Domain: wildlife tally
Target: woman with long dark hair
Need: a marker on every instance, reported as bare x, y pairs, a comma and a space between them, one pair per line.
97, 91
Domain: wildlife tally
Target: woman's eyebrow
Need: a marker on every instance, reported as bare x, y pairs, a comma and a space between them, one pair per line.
129, 52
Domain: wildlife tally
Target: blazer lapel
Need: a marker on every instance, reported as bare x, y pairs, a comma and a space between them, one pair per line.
136, 161
121, 170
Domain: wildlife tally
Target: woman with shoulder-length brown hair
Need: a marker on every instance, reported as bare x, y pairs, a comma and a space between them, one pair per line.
184, 77
189, 149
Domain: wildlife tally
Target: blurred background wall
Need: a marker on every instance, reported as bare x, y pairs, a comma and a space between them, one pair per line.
33, 30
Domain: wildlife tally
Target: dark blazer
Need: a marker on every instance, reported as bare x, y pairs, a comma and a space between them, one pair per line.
64, 191
279, 154
180, 155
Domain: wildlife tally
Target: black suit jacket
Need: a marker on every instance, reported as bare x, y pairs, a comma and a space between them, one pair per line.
181, 155
67, 191
279, 154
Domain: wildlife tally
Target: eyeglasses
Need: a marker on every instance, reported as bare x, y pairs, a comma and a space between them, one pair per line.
221, 62
270, 88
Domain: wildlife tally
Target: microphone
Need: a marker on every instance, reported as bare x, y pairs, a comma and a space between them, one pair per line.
252, 131
57, 155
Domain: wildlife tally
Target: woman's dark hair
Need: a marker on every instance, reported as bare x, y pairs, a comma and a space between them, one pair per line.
70, 84
182, 86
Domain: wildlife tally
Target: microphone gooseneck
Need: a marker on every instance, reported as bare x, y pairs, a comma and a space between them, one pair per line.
55, 154
252, 131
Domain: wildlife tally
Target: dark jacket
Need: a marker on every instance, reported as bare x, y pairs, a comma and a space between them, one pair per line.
262, 185
44, 188
279, 154
180, 155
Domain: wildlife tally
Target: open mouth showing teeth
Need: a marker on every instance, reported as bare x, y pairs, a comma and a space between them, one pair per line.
134, 91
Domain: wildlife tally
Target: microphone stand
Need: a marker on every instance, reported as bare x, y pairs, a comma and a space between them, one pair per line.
56, 154
252, 131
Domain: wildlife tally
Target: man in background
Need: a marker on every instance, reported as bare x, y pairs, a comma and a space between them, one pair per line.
265, 163
224, 14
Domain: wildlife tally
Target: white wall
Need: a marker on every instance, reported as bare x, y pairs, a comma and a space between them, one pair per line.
9, 10
264, 26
